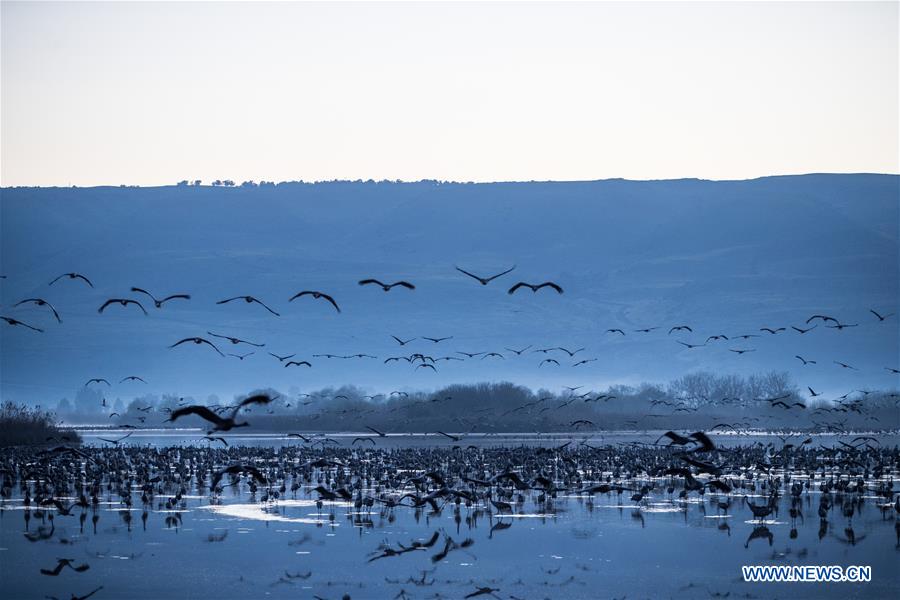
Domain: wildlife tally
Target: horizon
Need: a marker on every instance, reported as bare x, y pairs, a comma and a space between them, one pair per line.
262, 182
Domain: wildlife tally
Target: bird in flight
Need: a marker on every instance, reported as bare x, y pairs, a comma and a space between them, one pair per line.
880, 317
387, 286
485, 280
584, 362
317, 296
690, 346
615, 331
772, 331
220, 423
73, 276
680, 328
198, 340
841, 326
739, 351
801, 331
549, 360
845, 366
234, 340
41, 302
241, 356
132, 378
824, 318
437, 340
519, 352
249, 300
535, 287
15, 322
282, 358
297, 363
123, 302
812, 392
804, 361
403, 342
96, 380
645, 330
159, 303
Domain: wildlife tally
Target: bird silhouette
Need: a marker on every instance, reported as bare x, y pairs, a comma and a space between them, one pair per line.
159, 303
485, 280
880, 317
297, 363
73, 276
680, 328
235, 340
14, 322
96, 380
198, 340
123, 302
40, 302
387, 286
317, 296
132, 378
535, 287
249, 300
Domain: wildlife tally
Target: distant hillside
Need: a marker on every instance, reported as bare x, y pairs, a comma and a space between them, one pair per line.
725, 258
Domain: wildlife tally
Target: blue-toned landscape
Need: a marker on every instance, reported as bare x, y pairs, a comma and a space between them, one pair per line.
449, 300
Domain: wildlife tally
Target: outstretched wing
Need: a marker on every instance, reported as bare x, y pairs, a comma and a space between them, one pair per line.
368, 281
201, 411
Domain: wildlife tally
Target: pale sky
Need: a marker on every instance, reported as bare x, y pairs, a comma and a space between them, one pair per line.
152, 93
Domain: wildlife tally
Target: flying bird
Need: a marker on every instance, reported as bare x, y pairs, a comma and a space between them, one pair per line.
403, 342
880, 317
96, 380
41, 302
691, 346
241, 356
519, 352
535, 287
14, 322
73, 276
131, 378
249, 300
317, 296
804, 361
123, 302
615, 331
824, 318
845, 365
549, 360
485, 280
198, 340
813, 393
297, 363
234, 340
772, 331
159, 303
437, 340
387, 286
801, 331
680, 328
282, 358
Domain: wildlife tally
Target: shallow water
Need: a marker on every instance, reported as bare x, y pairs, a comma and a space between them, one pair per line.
575, 546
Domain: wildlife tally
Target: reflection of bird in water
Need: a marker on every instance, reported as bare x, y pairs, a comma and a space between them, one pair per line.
761, 532
62, 564
74, 597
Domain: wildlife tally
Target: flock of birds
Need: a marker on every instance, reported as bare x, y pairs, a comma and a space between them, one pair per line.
421, 360
475, 485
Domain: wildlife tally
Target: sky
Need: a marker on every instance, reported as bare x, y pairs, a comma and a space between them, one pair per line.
152, 93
